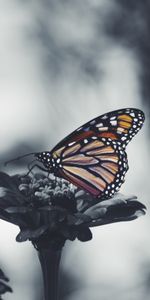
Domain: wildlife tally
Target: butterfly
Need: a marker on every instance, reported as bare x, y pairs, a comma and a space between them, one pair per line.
93, 157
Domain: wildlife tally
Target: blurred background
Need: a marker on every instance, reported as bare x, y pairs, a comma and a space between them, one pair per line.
63, 63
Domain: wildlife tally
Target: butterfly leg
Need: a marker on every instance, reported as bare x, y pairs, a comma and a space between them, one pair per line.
39, 167
30, 167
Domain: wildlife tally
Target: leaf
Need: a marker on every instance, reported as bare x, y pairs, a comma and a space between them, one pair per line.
4, 288
99, 210
10, 183
117, 211
6, 181
82, 218
96, 212
45, 208
2, 276
29, 234
69, 232
125, 210
7, 197
77, 219
18, 209
71, 219
84, 200
84, 234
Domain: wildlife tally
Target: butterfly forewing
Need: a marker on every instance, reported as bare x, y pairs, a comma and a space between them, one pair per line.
121, 125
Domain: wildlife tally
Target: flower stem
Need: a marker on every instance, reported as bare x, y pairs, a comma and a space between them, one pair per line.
50, 260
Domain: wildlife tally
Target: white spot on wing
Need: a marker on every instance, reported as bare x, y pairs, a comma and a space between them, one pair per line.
103, 128
123, 138
70, 144
104, 117
99, 125
113, 118
113, 123
132, 114
93, 122
85, 141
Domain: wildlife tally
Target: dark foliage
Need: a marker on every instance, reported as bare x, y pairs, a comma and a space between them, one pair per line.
4, 288
50, 211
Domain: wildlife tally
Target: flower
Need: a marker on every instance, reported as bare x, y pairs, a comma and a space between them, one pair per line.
3, 286
49, 211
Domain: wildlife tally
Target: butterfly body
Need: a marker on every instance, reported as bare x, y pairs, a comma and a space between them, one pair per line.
93, 157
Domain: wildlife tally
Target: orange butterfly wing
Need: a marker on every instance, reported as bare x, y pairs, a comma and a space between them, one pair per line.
98, 166
93, 156
121, 125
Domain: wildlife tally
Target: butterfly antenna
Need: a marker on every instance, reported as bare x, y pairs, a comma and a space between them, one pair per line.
18, 158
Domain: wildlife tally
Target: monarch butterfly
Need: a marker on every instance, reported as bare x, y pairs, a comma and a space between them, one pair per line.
93, 156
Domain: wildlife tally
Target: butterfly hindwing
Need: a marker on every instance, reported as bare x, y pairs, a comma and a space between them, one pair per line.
97, 165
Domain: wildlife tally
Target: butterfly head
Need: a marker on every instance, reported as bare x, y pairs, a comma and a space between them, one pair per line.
45, 158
